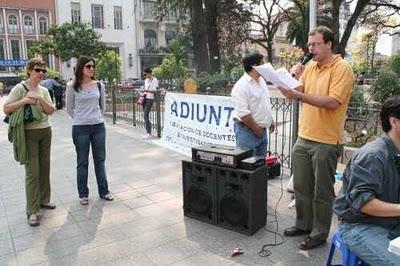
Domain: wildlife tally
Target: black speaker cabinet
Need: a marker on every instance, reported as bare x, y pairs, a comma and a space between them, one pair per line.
242, 199
199, 191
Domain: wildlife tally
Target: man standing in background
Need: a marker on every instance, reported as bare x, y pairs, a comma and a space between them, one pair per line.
252, 114
325, 91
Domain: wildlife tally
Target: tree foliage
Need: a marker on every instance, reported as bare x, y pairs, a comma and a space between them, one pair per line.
70, 40
108, 66
174, 64
394, 63
387, 84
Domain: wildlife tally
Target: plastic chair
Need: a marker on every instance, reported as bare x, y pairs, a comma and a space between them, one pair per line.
348, 258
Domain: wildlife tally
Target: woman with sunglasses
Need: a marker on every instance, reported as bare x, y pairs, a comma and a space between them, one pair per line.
150, 87
37, 138
85, 103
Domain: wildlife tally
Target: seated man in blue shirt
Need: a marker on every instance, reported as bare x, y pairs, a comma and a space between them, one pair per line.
369, 203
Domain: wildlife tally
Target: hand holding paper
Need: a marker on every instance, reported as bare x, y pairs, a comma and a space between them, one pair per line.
280, 77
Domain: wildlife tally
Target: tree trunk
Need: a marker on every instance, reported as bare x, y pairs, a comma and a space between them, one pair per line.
200, 50
335, 21
212, 12
361, 4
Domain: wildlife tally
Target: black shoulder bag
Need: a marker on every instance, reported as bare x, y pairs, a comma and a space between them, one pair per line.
28, 115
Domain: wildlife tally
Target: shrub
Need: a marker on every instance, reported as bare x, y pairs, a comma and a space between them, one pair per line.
386, 85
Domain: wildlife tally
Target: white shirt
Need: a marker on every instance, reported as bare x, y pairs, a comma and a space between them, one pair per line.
252, 97
151, 85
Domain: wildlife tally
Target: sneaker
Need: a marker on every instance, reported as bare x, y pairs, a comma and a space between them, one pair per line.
108, 197
147, 136
84, 201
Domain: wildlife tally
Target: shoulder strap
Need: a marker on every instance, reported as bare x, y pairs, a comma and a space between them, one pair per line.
99, 87
24, 86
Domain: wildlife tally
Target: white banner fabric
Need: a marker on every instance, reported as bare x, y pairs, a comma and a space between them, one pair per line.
192, 120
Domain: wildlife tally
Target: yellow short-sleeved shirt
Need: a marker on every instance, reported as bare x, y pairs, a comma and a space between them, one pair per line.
334, 79
18, 93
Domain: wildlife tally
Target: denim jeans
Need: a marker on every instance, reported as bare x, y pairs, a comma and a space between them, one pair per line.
84, 136
247, 139
369, 242
146, 109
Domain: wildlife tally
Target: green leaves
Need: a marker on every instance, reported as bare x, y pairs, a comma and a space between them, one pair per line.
70, 40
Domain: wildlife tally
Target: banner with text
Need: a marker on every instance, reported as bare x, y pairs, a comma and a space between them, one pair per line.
193, 120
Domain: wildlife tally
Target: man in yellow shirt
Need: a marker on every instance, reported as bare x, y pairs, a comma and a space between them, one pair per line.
325, 91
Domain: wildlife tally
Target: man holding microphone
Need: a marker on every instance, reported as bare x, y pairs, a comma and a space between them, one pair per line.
324, 93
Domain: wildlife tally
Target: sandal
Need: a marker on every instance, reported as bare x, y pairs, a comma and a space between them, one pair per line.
108, 197
33, 219
84, 201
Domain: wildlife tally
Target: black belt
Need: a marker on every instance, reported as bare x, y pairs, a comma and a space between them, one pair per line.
241, 123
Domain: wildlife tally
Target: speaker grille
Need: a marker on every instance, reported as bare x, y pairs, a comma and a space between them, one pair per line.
234, 210
200, 201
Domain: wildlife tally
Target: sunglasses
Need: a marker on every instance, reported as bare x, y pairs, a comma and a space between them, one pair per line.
37, 70
90, 66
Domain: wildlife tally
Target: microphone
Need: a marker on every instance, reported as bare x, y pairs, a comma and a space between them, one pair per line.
305, 60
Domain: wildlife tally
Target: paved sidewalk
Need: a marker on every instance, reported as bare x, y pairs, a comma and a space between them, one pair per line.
144, 225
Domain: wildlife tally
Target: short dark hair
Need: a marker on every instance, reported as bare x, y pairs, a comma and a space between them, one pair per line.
251, 60
390, 108
327, 34
148, 70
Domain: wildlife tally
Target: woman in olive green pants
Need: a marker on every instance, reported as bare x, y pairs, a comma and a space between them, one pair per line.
37, 141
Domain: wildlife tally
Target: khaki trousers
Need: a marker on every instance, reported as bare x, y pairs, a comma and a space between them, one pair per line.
37, 170
314, 165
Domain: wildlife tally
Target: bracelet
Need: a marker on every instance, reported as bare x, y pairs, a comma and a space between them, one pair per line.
299, 98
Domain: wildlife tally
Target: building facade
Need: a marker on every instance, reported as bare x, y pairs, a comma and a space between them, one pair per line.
113, 19
22, 23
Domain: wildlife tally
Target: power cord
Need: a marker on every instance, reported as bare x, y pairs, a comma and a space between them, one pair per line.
278, 238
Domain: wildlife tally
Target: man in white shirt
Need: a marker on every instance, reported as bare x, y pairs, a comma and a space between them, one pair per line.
252, 114
150, 87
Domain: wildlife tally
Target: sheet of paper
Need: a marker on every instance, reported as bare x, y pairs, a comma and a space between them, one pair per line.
280, 77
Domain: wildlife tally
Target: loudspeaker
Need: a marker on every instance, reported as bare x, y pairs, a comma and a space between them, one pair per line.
242, 199
199, 191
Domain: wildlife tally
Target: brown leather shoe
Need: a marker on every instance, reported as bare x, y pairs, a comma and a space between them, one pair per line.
294, 231
311, 242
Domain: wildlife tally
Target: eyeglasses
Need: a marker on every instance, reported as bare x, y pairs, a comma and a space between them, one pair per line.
314, 44
90, 66
37, 70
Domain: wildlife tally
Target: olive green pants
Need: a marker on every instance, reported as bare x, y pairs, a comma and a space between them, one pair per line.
314, 165
37, 170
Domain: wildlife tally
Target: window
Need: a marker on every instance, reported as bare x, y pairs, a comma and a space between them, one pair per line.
149, 10
12, 24
1, 25
75, 12
28, 25
29, 44
150, 39
117, 18
97, 17
15, 52
169, 36
2, 54
42, 25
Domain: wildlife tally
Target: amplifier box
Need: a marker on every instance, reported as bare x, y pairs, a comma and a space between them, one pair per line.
252, 163
220, 155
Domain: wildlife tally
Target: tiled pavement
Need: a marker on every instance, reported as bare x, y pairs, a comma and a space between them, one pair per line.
144, 225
